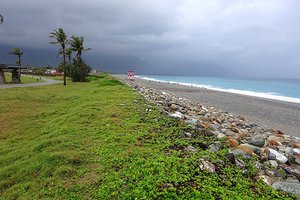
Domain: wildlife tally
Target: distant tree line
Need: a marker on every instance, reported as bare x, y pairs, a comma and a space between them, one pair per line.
76, 69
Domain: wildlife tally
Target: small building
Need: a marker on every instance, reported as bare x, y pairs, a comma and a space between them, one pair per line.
15, 73
26, 71
54, 72
50, 71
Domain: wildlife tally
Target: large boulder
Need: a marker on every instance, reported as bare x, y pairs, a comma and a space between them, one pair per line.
291, 187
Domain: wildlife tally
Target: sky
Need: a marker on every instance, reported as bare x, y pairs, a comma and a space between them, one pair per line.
251, 38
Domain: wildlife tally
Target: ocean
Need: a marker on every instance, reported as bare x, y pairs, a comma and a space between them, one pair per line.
278, 89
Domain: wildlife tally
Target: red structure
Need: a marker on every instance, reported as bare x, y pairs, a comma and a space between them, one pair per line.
130, 75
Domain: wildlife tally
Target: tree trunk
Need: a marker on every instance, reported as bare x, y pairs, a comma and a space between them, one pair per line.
19, 60
15, 78
70, 63
2, 77
65, 74
81, 68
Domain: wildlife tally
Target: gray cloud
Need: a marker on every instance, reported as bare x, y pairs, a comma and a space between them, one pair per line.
251, 38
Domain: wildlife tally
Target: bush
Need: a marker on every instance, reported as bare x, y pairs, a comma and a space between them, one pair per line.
76, 68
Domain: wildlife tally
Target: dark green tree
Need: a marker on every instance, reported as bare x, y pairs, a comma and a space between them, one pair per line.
76, 44
79, 69
60, 38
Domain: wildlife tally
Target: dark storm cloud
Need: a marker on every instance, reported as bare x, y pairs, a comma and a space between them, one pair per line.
251, 38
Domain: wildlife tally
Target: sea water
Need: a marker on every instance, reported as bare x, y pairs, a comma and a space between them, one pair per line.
279, 89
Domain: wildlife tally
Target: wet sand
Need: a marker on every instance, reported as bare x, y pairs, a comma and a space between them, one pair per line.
266, 113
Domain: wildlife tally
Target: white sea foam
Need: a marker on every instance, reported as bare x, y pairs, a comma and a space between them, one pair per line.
270, 95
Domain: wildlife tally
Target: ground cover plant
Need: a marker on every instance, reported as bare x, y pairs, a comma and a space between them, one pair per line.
100, 140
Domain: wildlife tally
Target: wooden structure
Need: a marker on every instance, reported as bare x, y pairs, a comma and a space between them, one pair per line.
15, 73
130, 74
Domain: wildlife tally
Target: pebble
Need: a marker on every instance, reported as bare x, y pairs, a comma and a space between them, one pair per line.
265, 179
253, 148
205, 165
231, 157
191, 149
245, 138
192, 121
187, 134
238, 152
273, 163
275, 138
258, 141
177, 115
275, 155
214, 147
232, 142
296, 151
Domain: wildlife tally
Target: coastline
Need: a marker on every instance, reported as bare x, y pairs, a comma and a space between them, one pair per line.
268, 95
267, 113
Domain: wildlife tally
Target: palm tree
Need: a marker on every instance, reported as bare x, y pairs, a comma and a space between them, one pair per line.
69, 55
18, 52
60, 39
77, 45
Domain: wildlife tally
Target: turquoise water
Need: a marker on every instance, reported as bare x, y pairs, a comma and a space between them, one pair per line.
268, 88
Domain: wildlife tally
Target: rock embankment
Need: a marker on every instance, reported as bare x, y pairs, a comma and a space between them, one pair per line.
274, 149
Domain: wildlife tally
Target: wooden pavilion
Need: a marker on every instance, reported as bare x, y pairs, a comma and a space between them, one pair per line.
15, 73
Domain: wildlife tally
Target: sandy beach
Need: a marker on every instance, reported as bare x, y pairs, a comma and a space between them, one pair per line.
266, 113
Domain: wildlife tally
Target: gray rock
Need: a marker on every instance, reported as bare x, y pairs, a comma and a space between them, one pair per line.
285, 150
291, 170
187, 134
205, 165
290, 187
204, 131
220, 135
273, 163
203, 119
275, 155
275, 138
253, 148
297, 161
275, 174
257, 165
238, 152
258, 140
240, 163
215, 147
215, 127
191, 149
191, 121
177, 115
296, 151
231, 157
265, 179
174, 107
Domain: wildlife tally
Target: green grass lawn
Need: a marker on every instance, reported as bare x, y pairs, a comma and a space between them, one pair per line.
100, 140
59, 78
24, 78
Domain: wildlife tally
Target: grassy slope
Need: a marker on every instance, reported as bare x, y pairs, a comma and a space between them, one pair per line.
99, 140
